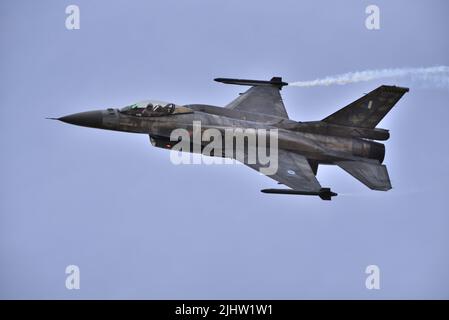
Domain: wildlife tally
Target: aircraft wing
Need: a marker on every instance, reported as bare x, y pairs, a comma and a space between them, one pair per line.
295, 172
263, 97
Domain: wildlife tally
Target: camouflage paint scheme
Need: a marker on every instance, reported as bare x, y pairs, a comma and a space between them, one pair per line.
345, 138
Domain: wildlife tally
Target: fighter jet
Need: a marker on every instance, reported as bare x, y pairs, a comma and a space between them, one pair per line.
346, 138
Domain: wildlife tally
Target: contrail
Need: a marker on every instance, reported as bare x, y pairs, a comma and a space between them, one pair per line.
437, 76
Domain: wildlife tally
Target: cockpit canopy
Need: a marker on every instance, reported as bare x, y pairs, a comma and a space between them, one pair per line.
149, 108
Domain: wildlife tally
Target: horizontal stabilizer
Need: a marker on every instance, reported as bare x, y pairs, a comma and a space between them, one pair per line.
373, 175
275, 81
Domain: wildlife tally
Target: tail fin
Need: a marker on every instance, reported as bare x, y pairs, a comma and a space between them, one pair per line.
369, 110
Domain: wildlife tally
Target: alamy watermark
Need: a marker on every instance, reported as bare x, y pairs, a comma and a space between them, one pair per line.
72, 281
372, 22
246, 145
373, 279
72, 21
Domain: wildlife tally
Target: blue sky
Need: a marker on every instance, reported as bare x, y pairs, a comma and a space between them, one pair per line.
140, 227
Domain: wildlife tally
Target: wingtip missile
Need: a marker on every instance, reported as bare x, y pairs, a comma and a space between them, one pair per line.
275, 81
323, 193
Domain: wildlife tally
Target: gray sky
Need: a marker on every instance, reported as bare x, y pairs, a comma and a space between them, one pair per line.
140, 227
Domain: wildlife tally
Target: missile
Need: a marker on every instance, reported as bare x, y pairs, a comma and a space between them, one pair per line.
324, 193
275, 81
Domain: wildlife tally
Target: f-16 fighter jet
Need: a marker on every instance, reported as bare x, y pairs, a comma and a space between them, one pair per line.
345, 138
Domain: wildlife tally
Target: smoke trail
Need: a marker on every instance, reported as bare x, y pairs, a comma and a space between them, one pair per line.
433, 76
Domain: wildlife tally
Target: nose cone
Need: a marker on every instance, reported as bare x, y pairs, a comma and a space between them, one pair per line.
92, 119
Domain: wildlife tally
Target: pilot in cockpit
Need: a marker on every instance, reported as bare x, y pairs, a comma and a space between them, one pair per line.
149, 109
